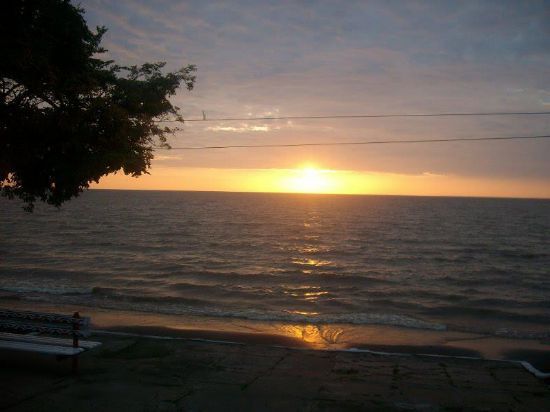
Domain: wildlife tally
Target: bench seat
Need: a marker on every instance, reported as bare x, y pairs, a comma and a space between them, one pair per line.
47, 340
40, 348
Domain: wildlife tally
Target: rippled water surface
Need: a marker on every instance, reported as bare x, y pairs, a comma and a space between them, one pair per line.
435, 263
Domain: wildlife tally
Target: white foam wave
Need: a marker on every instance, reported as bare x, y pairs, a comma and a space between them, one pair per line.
251, 314
351, 318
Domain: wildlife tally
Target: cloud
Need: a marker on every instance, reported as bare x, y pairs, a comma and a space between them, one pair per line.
161, 158
260, 59
242, 129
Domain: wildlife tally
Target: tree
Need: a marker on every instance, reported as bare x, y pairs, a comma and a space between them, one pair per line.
67, 117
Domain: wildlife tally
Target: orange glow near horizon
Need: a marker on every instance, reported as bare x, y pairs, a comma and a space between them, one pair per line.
313, 179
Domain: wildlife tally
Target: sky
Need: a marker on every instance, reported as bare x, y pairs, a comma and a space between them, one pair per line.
303, 58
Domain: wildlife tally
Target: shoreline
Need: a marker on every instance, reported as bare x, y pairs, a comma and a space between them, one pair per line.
339, 337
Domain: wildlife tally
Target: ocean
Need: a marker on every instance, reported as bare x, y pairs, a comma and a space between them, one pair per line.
428, 263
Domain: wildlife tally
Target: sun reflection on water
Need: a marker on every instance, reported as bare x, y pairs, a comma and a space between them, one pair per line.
314, 334
311, 262
309, 249
302, 312
308, 293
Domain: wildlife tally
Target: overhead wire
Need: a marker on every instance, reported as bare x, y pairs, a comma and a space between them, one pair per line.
356, 116
357, 143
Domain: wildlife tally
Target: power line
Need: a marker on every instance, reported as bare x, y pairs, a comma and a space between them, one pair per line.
359, 116
368, 142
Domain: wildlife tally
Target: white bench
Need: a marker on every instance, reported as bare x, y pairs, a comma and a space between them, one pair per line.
22, 331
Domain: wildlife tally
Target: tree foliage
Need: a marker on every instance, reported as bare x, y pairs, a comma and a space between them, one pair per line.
68, 117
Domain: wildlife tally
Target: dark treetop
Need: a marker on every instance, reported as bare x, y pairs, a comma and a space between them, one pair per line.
67, 117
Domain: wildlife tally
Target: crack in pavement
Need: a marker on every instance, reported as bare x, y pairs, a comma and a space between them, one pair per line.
244, 386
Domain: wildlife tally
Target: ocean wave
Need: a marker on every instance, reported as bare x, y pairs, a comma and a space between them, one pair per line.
57, 290
485, 313
349, 318
169, 308
110, 298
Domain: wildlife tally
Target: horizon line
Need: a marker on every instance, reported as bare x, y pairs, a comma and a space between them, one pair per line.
320, 194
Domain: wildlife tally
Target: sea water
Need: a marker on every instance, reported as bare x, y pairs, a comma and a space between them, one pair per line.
464, 264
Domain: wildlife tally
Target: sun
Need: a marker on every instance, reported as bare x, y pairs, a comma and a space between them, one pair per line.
309, 179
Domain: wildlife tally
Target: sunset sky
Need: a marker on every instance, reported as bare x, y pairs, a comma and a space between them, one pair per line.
338, 58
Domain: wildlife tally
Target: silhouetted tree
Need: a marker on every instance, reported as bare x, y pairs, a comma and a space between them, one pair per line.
67, 117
